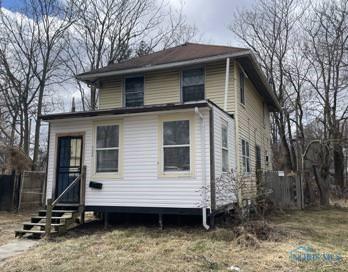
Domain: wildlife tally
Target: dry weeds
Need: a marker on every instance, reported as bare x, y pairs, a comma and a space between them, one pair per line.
9, 222
190, 249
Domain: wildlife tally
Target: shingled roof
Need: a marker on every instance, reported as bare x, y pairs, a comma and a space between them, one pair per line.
184, 52
184, 55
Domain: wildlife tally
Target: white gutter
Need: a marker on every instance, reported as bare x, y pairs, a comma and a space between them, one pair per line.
161, 66
226, 82
204, 177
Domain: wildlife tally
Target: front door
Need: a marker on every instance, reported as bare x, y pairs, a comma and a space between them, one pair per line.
69, 163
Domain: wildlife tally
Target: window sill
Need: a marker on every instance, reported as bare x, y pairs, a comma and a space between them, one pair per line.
176, 175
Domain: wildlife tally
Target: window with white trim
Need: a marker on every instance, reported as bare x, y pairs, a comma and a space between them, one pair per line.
245, 156
176, 146
192, 85
241, 87
224, 152
107, 149
258, 160
134, 91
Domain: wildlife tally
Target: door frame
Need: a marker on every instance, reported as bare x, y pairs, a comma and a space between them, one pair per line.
55, 169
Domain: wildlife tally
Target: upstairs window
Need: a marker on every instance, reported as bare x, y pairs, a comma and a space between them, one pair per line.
245, 156
134, 92
192, 85
241, 87
176, 146
224, 136
258, 157
107, 149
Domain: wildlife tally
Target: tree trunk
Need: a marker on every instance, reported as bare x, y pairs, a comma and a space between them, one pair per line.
13, 129
37, 129
323, 185
287, 153
26, 133
339, 166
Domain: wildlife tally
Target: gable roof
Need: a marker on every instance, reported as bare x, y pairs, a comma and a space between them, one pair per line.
188, 54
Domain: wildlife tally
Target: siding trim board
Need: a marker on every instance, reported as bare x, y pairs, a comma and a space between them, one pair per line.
121, 111
146, 210
212, 162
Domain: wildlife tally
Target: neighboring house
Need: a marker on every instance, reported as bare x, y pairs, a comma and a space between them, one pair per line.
168, 124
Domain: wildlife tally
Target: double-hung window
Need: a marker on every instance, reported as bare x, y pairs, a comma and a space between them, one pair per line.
241, 87
258, 161
245, 156
176, 146
192, 85
107, 149
134, 91
224, 135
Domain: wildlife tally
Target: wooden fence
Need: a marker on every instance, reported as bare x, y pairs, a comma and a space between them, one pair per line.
285, 190
25, 192
32, 190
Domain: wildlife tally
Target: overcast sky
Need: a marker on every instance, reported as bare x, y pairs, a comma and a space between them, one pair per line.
212, 17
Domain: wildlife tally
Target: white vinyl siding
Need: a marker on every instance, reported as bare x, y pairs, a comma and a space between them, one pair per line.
224, 193
139, 184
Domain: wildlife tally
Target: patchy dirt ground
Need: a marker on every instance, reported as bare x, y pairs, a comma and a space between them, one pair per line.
136, 248
9, 222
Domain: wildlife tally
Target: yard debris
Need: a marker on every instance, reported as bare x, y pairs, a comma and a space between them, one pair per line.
234, 268
247, 240
251, 233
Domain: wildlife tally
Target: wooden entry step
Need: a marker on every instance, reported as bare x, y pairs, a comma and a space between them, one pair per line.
61, 221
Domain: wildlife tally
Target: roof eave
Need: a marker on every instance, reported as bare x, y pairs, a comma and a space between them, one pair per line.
92, 77
125, 111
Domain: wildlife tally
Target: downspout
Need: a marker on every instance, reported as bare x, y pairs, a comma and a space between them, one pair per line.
204, 176
236, 128
227, 82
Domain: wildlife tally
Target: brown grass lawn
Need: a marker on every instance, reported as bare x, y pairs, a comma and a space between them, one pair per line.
9, 222
191, 249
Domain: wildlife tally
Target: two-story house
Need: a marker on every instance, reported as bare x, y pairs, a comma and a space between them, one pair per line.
168, 125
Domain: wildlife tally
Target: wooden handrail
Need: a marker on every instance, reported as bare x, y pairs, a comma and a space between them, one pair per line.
51, 204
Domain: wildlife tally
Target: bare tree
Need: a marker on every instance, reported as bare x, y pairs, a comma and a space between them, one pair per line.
108, 31
17, 49
268, 29
52, 18
29, 55
327, 52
